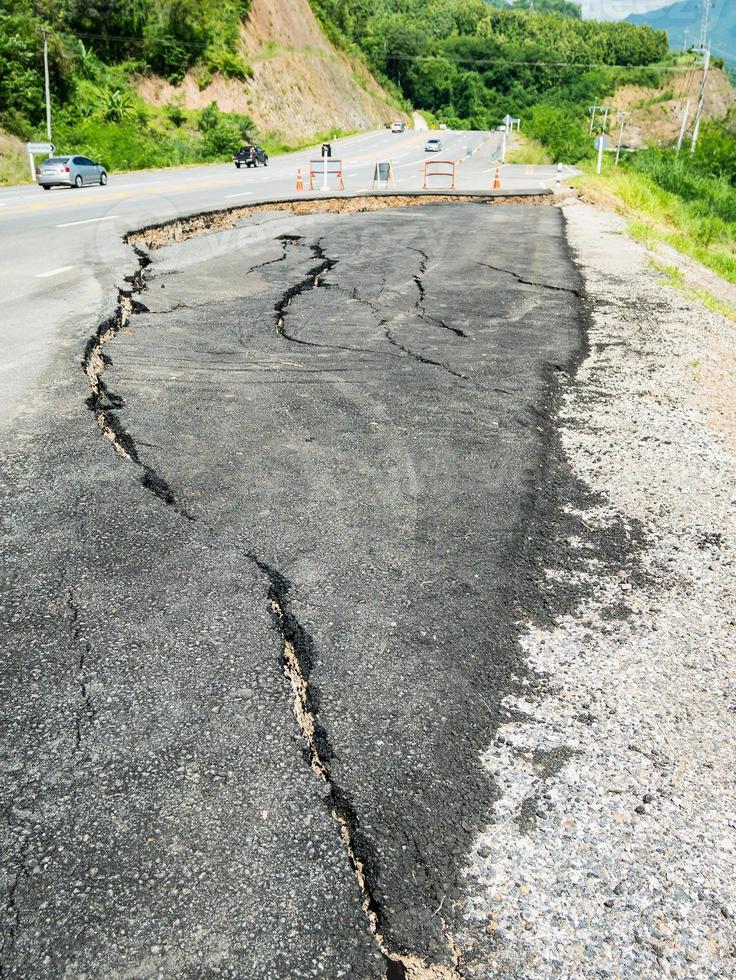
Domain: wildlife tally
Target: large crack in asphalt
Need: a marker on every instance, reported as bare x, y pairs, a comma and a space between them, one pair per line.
296, 643
313, 280
297, 661
106, 405
422, 358
85, 713
420, 304
286, 241
208, 222
531, 282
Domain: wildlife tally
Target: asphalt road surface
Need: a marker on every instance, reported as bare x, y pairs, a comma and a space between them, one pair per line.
267, 561
59, 250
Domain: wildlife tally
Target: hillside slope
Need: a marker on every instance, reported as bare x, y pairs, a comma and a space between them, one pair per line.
13, 160
301, 84
655, 113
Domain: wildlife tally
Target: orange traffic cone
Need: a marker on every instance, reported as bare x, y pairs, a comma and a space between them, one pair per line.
299, 181
497, 179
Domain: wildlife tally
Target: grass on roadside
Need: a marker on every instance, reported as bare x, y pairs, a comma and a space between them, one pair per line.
527, 150
14, 170
273, 145
658, 215
676, 279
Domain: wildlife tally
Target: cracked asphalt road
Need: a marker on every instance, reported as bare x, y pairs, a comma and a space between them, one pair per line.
361, 404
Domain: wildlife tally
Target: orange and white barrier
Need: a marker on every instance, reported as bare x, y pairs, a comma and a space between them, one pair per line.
324, 168
439, 168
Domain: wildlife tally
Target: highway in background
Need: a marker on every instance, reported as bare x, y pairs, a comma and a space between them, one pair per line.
61, 250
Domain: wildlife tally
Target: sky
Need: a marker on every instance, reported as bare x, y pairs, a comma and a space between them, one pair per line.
618, 9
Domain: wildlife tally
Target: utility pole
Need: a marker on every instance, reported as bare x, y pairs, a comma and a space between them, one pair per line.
684, 114
707, 4
701, 99
624, 116
593, 109
601, 147
46, 83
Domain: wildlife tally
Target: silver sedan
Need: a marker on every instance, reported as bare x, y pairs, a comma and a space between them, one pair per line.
72, 171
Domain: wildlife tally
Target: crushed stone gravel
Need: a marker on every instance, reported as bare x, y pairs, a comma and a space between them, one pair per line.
612, 849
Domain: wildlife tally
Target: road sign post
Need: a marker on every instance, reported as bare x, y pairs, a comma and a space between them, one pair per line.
326, 152
600, 143
508, 125
41, 148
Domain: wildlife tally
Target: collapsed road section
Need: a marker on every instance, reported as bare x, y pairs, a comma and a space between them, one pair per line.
383, 485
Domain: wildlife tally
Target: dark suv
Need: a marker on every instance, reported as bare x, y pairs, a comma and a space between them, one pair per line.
250, 156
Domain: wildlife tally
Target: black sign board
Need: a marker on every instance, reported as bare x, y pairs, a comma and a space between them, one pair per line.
382, 172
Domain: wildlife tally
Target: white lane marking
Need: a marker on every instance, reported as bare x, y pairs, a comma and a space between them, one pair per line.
54, 272
20, 197
241, 194
87, 221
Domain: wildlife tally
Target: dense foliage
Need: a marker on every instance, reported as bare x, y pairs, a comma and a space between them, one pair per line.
707, 181
469, 62
95, 48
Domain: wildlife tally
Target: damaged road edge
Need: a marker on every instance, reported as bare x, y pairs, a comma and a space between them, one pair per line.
105, 404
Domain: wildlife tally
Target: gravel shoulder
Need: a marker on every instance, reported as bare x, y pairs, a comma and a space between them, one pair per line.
612, 847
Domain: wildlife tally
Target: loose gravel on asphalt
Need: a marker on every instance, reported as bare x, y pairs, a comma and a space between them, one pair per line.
619, 858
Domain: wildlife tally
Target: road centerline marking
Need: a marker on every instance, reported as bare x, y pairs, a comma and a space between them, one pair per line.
87, 221
53, 272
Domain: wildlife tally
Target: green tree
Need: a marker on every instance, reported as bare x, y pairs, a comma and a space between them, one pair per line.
114, 105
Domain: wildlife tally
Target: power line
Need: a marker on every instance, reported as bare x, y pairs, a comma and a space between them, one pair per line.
726, 55
534, 64
404, 57
135, 39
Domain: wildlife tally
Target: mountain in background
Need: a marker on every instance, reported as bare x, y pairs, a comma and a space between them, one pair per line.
682, 23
